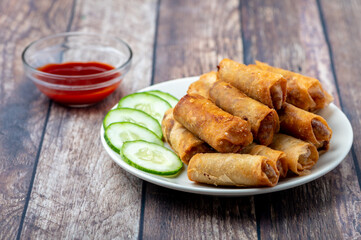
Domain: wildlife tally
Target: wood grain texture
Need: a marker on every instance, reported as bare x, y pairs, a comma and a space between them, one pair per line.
289, 34
342, 22
79, 192
23, 109
192, 38
346, 51
132, 21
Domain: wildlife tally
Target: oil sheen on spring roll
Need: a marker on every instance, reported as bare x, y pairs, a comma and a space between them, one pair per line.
202, 86
305, 125
182, 141
267, 87
221, 130
302, 91
232, 169
278, 157
264, 120
301, 156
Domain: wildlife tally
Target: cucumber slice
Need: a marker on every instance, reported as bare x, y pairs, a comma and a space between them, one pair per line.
134, 116
150, 157
146, 102
118, 133
166, 96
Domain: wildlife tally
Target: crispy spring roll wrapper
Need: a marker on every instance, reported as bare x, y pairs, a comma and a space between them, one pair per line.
202, 86
232, 169
278, 157
300, 156
221, 130
302, 91
182, 141
267, 87
305, 125
264, 120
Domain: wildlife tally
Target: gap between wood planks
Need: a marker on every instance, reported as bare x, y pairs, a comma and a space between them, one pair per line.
246, 60
41, 141
325, 33
144, 185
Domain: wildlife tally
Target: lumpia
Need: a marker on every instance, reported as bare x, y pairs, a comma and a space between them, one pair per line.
264, 120
302, 91
221, 130
202, 86
305, 125
232, 169
276, 156
182, 141
300, 156
267, 87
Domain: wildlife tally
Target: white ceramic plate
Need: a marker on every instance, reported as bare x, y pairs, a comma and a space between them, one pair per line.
339, 147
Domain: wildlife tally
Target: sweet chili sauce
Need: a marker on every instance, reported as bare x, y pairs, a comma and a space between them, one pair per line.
76, 88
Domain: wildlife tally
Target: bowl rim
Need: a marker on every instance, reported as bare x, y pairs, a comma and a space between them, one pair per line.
65, 34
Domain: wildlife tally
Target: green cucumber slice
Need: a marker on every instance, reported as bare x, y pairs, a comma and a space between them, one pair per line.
146, 102
166, 96
134, 116
118, 133
150, 157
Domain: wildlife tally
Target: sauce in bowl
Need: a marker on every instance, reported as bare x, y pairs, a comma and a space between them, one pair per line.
78, 83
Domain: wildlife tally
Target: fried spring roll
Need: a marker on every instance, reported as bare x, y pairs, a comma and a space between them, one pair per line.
302, 91
264, 121
305, 125
182, 141
221, 130
232, 169
202, 86
267, 87
300, 156
278, 157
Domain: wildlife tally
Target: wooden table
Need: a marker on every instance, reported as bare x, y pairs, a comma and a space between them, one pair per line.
57, 181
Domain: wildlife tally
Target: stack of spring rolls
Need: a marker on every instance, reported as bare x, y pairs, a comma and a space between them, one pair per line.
249, 125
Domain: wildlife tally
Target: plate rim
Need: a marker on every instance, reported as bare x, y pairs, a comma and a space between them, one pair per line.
225, 191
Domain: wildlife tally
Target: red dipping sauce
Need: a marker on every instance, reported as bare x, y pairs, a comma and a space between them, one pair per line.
78, 84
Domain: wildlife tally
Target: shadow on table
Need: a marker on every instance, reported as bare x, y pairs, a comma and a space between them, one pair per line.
279, 214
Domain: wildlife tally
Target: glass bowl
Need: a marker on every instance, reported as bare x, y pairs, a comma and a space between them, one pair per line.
92, 65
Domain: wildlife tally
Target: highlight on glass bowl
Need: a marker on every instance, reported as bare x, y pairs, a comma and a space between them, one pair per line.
77, 69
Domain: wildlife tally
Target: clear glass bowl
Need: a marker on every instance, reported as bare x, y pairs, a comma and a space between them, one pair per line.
75, 47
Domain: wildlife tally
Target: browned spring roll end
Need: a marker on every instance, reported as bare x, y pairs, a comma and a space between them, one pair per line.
322, 133
278, 93
270, 171
267, 128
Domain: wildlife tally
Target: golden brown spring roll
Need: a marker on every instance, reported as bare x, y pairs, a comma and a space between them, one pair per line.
221, 130
305, 125
232, 169
264, 120
301, 156
267, 87
278, 157
302, 91
182, 141
202, 86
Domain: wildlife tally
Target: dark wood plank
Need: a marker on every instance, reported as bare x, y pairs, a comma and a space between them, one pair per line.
78, 191
23, 110
343, 28
289, 34
192, 38
342, 23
